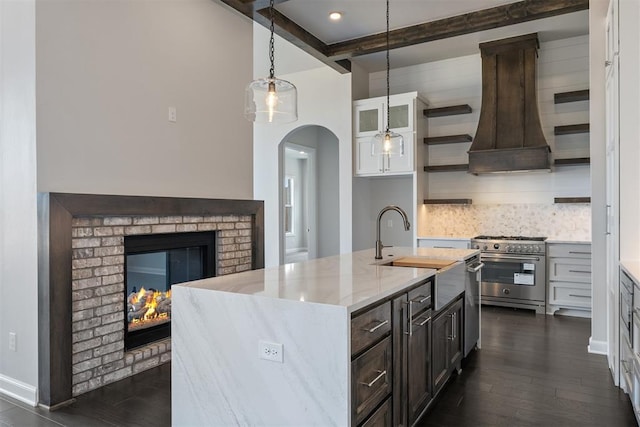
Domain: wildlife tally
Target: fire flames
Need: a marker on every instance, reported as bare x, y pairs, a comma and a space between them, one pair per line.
148, 306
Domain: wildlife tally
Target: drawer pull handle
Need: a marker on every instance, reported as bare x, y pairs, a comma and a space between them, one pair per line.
378, 326
421, 299
424, 321
579, 271
580, 296
579, 253
380, 375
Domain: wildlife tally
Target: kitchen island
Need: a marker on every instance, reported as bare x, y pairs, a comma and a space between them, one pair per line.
276, 346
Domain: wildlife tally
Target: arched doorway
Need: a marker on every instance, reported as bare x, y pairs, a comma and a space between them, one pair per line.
309, 197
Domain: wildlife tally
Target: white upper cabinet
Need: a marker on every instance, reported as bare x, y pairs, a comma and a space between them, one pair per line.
370, 118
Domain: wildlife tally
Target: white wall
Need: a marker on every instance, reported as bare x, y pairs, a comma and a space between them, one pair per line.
563, 65
373, 194
18, 236
107, 71
324, 99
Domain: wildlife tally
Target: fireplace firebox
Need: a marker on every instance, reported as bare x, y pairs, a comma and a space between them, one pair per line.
152, 264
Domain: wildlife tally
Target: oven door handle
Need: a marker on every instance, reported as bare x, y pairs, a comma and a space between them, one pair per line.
501, 257
475, 268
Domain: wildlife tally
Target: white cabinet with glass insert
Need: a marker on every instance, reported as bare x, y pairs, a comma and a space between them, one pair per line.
370, 118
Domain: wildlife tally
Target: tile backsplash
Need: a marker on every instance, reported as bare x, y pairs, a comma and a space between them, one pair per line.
554, 221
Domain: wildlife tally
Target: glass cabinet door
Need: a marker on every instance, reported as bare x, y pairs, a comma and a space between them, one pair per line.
401, 115
368, 119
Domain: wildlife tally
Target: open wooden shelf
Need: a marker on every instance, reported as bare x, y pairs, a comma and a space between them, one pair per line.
447, 201
572, 200
572, 161
447, 168
449, 139
571, 129
577, 95
447, 111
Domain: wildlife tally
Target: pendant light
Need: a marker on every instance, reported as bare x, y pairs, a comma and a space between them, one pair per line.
271, 100
387, 143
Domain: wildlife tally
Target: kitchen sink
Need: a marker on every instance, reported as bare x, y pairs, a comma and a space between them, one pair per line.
420, 262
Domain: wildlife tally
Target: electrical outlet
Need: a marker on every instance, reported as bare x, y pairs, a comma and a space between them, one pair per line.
173, 114
12, 341
270, 351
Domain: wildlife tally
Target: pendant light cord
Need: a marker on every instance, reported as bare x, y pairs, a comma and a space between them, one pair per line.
271, 44
387, 66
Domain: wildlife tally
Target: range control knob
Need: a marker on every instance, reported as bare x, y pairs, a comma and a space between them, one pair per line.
477, 246
509, 248
506, 291
485, 247
496, 246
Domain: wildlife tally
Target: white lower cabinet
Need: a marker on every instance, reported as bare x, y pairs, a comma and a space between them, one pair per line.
569, 279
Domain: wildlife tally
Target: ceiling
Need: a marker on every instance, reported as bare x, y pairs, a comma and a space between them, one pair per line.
420, 30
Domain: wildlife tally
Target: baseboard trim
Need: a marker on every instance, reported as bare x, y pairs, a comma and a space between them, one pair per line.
598, 347
18, 390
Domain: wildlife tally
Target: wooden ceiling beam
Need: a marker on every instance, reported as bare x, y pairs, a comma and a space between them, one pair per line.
486, 19
258, 10
337, 55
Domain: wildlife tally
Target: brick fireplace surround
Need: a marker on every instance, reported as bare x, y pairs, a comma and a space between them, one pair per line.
81, 278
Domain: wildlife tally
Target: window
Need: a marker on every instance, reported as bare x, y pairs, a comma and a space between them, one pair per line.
288, 205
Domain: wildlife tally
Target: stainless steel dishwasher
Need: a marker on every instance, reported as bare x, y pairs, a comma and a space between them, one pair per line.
472, 304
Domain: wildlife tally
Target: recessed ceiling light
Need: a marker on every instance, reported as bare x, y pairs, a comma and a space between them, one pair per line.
335, 16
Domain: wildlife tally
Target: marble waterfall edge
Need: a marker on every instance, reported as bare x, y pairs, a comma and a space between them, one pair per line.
218, 378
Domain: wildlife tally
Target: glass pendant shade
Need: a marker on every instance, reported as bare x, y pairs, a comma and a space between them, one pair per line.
387, 144
271, 100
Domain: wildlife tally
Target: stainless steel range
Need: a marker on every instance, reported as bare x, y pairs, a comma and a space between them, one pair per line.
514, 273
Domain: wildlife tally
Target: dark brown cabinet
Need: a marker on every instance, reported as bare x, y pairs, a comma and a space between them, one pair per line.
402, 354
412, 354
447, 343
419, 366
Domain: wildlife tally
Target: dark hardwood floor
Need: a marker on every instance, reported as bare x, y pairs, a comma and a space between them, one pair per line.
531, 371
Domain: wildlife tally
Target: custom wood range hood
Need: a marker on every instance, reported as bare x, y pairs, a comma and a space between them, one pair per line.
509, 137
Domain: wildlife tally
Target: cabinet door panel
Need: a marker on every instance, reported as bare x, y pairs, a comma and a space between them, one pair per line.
367, 164
419, 366
400, 115
401, 164
457, 340
441, 329
369, 119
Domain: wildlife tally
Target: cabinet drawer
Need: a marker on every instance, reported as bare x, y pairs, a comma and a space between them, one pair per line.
444, 243
420, 298
569, 250
371, 379
570, 269
382, 416
570, 294
370, 326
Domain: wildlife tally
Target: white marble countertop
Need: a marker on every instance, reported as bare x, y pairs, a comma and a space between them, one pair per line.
632, 268
568, 241
352, 280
